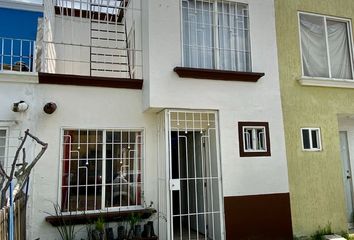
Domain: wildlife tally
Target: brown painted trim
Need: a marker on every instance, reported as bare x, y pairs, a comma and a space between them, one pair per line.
258, 217
243, 153
78, 80
76, 219
213, 74
94, 15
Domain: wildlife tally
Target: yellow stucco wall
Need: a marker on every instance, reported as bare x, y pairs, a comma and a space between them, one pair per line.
315, 178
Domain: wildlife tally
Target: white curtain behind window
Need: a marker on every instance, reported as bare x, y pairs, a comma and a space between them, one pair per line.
198, 34
233, 34
313, 43
339, 50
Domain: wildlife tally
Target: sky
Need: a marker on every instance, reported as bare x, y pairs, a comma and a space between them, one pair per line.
17, 24
28, 1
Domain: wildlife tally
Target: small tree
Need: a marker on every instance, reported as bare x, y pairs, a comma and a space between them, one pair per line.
19, 176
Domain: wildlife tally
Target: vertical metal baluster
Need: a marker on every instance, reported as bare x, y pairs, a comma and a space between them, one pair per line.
11, 54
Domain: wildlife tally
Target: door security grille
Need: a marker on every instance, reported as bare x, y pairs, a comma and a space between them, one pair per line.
194, 171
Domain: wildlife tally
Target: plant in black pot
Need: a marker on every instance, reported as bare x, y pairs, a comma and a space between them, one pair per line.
134, 224
98, 233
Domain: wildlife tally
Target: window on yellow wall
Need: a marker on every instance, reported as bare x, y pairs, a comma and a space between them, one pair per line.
311, 139
326, 46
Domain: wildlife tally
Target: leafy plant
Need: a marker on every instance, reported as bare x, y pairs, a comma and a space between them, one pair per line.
100, 224
133, 219
66, 229
327, 230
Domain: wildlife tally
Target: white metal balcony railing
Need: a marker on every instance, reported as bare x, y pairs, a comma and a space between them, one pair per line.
17, 55
92, 37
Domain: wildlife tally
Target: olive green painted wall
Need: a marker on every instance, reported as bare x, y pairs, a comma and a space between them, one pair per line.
315, 178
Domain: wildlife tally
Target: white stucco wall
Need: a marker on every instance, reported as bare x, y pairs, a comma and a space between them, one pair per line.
78, 107
236, 101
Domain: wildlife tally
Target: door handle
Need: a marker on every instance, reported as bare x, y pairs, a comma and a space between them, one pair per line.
349, 177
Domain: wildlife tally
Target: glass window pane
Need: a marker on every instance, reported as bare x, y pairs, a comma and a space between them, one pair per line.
339, 49
198, 34
306, 139
260, 139
233, 32
314, 135
82, 166
313, 45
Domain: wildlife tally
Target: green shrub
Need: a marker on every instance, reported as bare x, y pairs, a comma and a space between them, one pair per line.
327, 230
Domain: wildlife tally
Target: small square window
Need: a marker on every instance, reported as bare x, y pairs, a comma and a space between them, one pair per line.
311, 139
254, 139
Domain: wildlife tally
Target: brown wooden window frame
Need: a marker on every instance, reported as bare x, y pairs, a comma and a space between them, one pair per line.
243, 152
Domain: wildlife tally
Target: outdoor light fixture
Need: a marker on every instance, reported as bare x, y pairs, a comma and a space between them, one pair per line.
49, 108
20, 106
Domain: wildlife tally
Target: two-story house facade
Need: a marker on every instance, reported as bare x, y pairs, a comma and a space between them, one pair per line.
171, 102
315, 48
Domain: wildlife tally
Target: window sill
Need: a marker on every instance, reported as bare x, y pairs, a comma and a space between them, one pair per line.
213, 74
114, 216
326, 82
18, 77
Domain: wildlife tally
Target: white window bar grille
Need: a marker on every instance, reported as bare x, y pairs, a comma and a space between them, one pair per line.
254, 139
311, 139
17, 55
196, 205
216, 35
92, 38
101, 169
10, 139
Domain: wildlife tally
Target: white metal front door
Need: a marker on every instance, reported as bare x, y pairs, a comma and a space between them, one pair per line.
195, 183
347, 174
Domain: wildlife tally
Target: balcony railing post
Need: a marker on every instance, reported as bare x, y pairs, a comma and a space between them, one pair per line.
2, 54
34, 57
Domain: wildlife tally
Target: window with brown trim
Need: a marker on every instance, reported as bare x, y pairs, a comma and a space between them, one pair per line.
254, 139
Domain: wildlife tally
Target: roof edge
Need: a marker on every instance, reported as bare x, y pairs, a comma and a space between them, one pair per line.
19, 5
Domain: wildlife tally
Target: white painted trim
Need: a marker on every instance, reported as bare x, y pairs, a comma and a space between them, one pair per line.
18, 77
326, 82
7, 123
25, 6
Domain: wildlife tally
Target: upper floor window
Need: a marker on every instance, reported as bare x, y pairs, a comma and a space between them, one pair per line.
101, 169
216, 35
326, 47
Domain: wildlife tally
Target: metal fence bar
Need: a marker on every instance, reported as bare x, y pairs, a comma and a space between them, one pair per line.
17, 55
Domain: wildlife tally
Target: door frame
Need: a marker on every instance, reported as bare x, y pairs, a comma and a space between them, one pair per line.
350, 224
169, 168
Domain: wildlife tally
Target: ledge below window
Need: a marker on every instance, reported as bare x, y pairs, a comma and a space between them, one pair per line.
322, 82
80, 80
214, 74
115, 216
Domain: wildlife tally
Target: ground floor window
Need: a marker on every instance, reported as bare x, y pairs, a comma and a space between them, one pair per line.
3, 133
254, 139
311, 139
101, 168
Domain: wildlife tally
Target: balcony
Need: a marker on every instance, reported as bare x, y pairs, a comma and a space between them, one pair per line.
17, 55
97, 39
